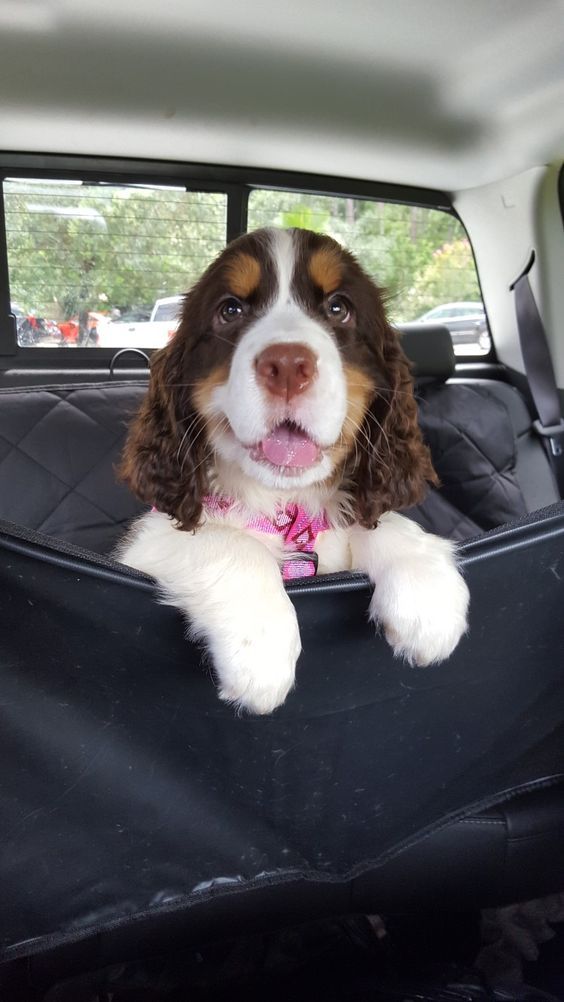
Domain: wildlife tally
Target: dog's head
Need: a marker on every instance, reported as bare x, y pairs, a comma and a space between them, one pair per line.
283, 368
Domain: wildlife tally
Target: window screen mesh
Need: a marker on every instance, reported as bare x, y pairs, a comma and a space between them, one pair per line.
88, 262
420, 256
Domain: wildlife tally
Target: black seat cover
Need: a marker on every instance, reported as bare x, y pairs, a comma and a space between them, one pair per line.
59, 446
127, 789
58, 449
128, 792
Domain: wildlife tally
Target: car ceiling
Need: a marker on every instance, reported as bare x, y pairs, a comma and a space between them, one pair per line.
439, 93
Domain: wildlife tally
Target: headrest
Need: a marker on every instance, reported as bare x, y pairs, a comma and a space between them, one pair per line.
429, 349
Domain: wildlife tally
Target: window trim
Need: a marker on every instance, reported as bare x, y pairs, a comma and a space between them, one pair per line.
236, 183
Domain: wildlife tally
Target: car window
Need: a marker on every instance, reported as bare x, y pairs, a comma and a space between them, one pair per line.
421, 256
100, 264
86, 259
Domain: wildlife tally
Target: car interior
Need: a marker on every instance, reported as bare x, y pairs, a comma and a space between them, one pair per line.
390, 832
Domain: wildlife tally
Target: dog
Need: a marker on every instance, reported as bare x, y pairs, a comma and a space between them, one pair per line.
278, 438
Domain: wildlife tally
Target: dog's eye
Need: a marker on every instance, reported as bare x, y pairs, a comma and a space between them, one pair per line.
230, 309
338, 308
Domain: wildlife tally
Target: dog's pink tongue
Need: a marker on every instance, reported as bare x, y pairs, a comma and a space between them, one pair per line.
286, 446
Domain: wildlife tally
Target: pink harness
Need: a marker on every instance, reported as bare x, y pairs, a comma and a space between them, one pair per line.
298, 529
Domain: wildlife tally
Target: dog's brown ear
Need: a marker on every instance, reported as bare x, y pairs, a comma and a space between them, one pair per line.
394, 465
163, 460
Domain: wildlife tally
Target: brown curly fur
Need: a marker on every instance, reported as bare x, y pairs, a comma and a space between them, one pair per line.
383, 466
394, 471
163, 461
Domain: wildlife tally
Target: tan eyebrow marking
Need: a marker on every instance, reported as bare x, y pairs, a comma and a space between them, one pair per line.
243, 274
325, 268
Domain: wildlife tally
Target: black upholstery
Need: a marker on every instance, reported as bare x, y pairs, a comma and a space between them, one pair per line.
470, 434
130, 792
532, 469
492, 466
503, 859
59, 446
429, 349
58, 449
511, 852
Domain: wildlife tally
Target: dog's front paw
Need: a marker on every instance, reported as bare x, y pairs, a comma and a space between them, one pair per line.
255, 660
422, 607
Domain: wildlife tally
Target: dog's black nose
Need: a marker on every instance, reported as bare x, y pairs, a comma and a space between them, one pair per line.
286, 370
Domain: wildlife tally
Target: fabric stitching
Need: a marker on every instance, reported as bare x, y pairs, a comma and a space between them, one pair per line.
19, 447
75, 489
15, 445
482, 821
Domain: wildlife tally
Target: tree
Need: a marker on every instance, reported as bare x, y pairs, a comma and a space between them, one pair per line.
449, 276
396, 244
73, 248
76, 247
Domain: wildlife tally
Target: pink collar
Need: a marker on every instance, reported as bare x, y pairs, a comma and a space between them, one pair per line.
297, 527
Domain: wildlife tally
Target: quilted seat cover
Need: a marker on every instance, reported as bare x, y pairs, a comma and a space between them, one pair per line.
58, 449
59, 446
472, 441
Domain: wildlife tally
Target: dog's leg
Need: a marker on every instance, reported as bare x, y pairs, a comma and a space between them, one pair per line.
230, 588
420, 598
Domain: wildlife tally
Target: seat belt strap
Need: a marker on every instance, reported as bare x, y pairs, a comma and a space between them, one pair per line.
540, 373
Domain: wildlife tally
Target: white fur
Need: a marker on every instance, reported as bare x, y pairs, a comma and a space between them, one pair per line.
230, 587
227, 580
420, 598
282, 247
243, 402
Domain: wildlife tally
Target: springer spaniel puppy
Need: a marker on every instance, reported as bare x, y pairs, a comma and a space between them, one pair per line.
278, 437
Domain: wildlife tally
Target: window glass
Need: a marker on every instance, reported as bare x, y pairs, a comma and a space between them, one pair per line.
88, 263
421, 256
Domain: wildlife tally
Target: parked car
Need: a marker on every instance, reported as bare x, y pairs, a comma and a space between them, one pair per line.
135, 316
466, 322
151, 333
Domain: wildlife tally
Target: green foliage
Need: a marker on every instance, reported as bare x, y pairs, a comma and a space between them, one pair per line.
94, 247
73, 248
449, 276
303, 217
404, 248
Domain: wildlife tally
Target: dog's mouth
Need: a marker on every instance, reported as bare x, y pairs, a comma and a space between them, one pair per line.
288, 448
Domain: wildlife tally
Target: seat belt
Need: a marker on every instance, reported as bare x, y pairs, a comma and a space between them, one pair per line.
540, 373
